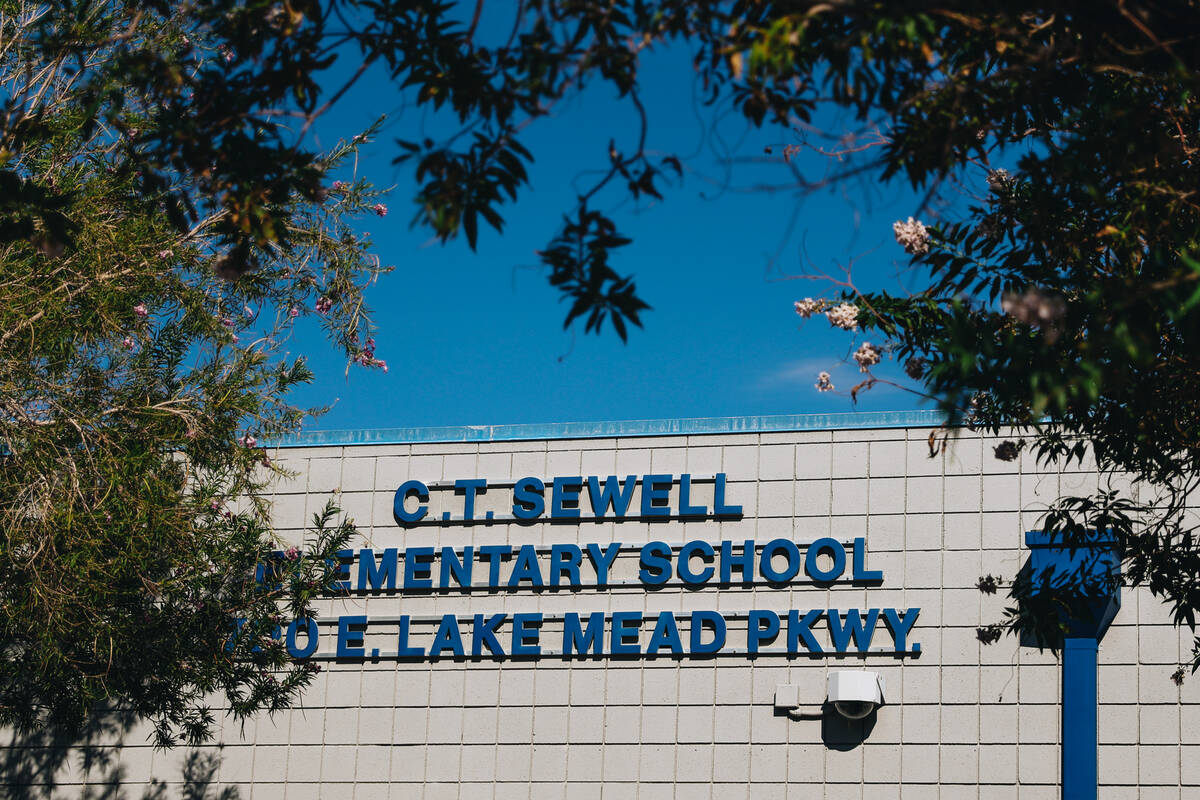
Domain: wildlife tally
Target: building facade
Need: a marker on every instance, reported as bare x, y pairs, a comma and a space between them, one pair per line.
653, 610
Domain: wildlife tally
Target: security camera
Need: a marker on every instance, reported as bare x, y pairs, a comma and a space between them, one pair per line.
855, 694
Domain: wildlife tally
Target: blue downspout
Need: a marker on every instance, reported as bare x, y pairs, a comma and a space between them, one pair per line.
1080, 780
1081, 574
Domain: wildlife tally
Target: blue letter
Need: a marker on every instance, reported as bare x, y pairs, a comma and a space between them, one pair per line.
447, 638
402, 648
854, 627
666, 634
900, 628
686, 509
407, 488
418, 568
484, 633
793, 560
861, 573
310, 628
526, 631
654, 488
716, 622
839, 560
528, 502
526, 568
601, 500
494, 553
469, 488
377, 577
577, 639
757, 632
744, 562
350, 643
624, 625
684, 568
460, 570
566, 490
565, 560
798, 630
719, 507
341, 570
656, 563
603, 560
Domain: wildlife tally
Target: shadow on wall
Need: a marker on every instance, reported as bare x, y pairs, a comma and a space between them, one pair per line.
32, 764
839, 733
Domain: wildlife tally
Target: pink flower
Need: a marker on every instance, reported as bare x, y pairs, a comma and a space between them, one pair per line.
293, 312
227, 322
338, 186
140, 310
807, 307
823, 383
127, 343
247, 441
324, 304
382, 365
912, 235
213, 505
165, 254
380, 209
844, 316
867, 356
292, 553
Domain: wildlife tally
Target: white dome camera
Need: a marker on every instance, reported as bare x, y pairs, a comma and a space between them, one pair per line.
855, 694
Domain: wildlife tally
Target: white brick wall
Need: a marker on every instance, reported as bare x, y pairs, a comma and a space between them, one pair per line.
962, 720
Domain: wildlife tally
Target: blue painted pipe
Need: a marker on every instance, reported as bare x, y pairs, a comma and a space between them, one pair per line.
1080, 780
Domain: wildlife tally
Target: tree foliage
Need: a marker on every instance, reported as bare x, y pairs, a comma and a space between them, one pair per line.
135, 381
1063, 300
165, 219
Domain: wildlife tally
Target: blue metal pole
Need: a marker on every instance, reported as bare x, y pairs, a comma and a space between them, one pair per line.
1080, 780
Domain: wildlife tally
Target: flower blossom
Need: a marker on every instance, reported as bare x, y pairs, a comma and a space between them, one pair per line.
247, 441
140, 311
323, 305
912, 235
1036, 310
293, 312
338, 186
823, 383
807, 307
380, 209
292, 553
165, 254
367, 357
127, 343
844, 316
999, 180
867, 356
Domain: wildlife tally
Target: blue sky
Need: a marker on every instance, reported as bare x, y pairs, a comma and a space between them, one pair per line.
477, 338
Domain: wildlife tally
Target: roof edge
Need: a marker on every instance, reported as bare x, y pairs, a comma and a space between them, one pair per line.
615, 428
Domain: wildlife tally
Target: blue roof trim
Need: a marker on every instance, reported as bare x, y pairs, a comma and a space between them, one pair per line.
615, 429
